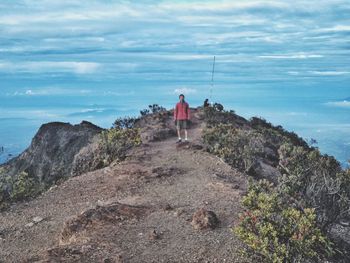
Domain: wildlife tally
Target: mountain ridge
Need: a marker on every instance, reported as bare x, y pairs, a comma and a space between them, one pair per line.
150, 205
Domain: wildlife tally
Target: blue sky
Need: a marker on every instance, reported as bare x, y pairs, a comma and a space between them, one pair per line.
111, 38
287, 61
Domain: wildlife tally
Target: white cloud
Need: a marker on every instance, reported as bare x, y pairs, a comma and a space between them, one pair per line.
293, 113
293, 73
221, 6
83, 13
341, 104
185, 91
182, 56
48, 91
337, 28
29, 92
52, 66
329, 73
122, 94
292, 56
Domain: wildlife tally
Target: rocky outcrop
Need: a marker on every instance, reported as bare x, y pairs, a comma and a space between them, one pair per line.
52, 156
156, 127
78, 228
89, 158
52, 151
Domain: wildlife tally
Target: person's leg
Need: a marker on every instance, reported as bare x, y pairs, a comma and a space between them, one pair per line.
178, 128
179, 133
186, 135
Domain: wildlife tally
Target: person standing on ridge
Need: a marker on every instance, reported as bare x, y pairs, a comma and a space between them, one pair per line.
181, 117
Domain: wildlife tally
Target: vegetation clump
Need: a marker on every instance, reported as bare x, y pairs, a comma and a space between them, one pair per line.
116, 141
278, 132
312, 191
275, 230
153, 108
315, 180
24, 186
17, 188
216, 114
125, 123
238, 147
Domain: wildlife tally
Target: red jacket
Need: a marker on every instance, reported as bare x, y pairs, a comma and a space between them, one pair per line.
182, 111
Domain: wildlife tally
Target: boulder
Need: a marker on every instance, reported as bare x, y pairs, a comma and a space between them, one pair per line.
262, 170
204, 219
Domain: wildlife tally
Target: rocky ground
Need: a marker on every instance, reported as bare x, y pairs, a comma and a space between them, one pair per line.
164, 203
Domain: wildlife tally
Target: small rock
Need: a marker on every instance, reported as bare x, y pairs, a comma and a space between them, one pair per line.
197, 147
153, 235
168, 207
110, 260
236, 186
204, 219
52, 187
29, 224
179, 212
37, 219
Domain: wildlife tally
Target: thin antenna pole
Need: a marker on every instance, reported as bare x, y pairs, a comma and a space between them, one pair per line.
212, 80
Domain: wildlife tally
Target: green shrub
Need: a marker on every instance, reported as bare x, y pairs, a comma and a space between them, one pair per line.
277, 132
311, 178
240, 148
153, 108
274, 230
116, 142
24, 186
313, 188
316, 180
216, 114
344, 193
124, 123
3, 187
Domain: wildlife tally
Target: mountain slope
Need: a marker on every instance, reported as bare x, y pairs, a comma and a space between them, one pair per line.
167, 202
164, 184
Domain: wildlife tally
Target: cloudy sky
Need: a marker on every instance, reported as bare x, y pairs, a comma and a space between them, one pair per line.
287, 61
111, 38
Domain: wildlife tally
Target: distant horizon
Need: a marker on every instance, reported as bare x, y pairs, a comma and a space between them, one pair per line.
4, 158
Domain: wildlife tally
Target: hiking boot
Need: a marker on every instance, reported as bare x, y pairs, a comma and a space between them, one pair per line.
178, 140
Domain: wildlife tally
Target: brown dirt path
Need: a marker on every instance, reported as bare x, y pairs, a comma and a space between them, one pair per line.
171, 181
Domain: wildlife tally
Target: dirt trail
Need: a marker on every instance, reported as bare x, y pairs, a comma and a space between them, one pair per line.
170, 181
